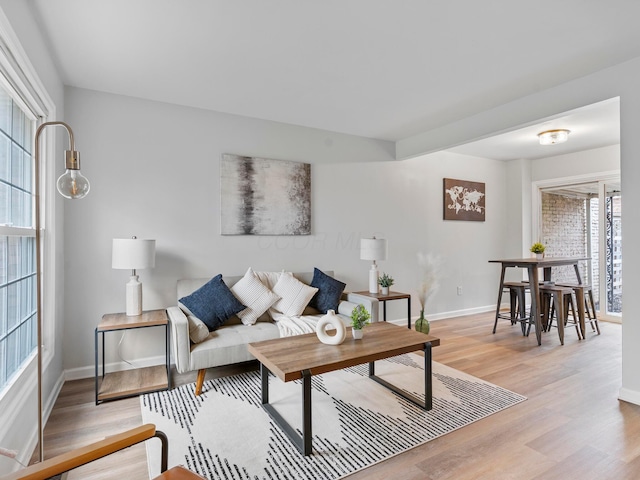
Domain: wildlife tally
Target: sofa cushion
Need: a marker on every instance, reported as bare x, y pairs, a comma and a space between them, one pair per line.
213, 303
252, 293
329, 291
294, 295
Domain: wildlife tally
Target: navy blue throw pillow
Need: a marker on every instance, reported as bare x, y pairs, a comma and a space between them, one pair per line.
329, 291
213, 303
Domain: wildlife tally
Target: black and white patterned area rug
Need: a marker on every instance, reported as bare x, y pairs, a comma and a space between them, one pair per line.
356, 422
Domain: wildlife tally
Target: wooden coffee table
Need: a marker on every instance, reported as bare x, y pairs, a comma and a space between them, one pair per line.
302, 356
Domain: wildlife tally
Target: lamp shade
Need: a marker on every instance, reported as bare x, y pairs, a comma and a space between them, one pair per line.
373, 249
133, 253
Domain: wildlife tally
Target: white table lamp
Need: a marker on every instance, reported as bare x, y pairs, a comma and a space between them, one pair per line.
133, 254
373, 249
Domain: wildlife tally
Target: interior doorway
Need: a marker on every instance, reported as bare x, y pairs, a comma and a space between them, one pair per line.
585, 219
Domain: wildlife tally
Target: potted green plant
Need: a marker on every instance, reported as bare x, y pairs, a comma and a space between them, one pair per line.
385, 281
538, 249
359, 318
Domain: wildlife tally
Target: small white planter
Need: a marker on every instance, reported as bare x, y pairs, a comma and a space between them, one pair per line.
384, 290
357, 333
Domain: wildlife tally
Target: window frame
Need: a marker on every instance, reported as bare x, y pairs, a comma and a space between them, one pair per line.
19, 79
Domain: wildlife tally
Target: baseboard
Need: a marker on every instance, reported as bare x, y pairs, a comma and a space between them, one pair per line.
441, 316
90, 371
16, 413
631, 396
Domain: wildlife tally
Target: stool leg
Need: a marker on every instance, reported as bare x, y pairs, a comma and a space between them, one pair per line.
560, 316
593, 319
522, 310
570, 305
495, 324
513, 298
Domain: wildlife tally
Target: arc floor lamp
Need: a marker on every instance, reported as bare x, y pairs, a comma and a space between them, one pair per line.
73, 185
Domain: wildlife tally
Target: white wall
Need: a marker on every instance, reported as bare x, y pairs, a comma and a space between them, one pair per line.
154, 170
597, 160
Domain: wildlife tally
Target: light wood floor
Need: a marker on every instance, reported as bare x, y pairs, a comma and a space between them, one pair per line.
571, 427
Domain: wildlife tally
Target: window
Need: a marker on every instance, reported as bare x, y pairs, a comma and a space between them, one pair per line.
18, 335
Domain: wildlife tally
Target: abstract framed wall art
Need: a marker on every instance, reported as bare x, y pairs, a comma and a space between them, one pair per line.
463, 200
262, 196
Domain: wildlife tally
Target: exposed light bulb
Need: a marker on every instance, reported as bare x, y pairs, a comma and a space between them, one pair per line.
72, 184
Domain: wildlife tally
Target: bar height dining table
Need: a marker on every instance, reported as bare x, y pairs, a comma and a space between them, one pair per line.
532, 265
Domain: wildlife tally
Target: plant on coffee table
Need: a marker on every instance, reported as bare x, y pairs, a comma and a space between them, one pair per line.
359, 318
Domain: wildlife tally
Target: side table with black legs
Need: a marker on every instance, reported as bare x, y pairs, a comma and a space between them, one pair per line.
131, 382
390, 296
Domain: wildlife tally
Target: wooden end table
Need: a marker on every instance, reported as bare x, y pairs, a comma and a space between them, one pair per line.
132, 382
302, 356
390, 296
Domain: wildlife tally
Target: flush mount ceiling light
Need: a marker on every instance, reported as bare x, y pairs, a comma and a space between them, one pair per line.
551, 137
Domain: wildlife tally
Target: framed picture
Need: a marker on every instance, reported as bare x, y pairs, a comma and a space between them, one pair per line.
261, 196
463, 200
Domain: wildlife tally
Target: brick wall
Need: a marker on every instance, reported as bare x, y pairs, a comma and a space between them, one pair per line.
564, 233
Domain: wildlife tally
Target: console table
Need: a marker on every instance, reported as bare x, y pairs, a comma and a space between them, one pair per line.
390, 296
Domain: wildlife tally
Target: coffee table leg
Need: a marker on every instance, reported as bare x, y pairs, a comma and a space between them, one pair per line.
302, 443
428, 378
264, 374
306, 412
428, 382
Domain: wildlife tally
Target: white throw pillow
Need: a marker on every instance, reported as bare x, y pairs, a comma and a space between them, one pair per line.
294, 295
252, 293
268, 279
198, 331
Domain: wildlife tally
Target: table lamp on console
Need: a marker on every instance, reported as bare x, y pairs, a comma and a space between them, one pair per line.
133, 254
373, 249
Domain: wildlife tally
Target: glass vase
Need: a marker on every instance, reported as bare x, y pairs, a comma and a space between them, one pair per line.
422, 324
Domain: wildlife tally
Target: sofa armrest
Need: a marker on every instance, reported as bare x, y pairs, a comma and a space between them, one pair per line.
345, 307
180, 338
371, 304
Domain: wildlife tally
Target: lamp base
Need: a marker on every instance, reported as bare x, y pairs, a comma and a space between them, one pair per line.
134, 297
373, 279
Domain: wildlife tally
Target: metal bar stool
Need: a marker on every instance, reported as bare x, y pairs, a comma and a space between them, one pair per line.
517, 303
558, 299
589, 304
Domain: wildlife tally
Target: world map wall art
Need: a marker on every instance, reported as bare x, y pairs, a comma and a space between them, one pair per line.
261, 196
464, 200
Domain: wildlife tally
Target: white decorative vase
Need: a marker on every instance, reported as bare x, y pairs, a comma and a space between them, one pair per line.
333, 321
357, 333
385, 290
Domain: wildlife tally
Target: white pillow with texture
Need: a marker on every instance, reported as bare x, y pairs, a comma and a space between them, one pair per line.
268, 279
294, 295
198, 331
252, 293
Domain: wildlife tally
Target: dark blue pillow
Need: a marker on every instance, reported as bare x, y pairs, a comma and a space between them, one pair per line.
329, 291
213, 303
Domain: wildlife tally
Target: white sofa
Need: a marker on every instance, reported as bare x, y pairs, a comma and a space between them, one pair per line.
228, 344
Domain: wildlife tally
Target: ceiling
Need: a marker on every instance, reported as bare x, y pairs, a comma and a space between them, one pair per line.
376, 68
592, 126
